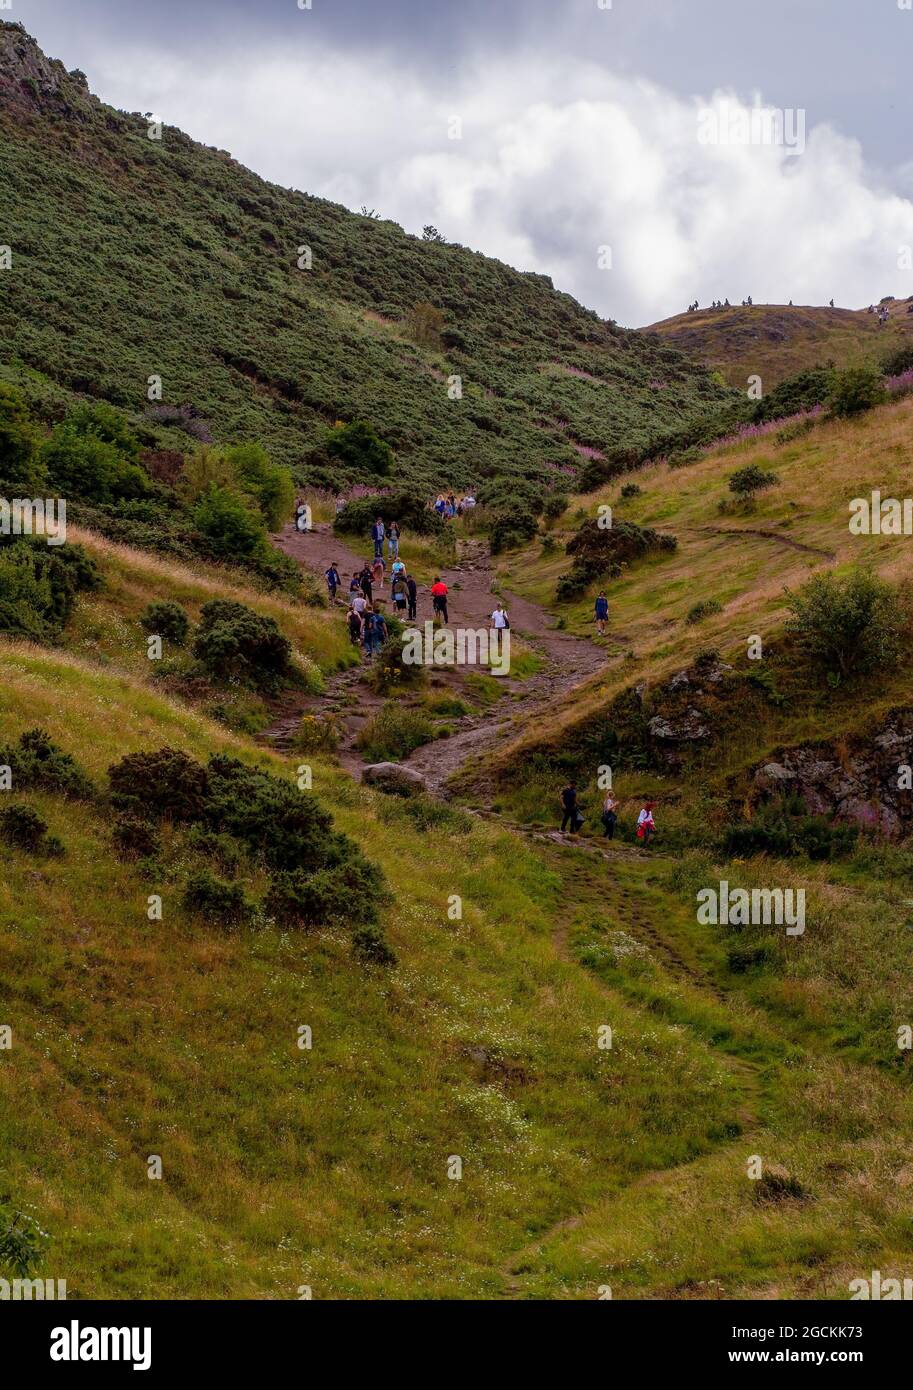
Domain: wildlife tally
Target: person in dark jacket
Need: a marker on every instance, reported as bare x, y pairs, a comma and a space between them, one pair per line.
378, 533
412, 595
569, 804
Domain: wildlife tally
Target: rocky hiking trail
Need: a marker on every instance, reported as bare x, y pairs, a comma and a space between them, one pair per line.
567, 661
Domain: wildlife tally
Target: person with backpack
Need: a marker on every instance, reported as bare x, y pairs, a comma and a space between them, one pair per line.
646, 826
609, 816
412, 592
364, 580
572, 816
353, 621
378, 534
375, 632
393, 540
602, 613
439, 593
354, 585
399, 593
333, 581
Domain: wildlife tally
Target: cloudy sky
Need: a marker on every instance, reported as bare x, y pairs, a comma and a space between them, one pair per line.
542, 131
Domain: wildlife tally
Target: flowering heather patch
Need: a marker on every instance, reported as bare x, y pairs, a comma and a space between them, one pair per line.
586, 450
758, 431
900, 385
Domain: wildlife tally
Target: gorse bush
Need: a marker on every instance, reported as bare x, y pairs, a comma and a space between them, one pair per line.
167, 620
235, 643
600, 552
316, 873
82, 464
135, 839
783, 829
855, 390
510, 529
706, 609
410, 511
849, 626
22, 827
746, 482
358, 446
21, 472
37, 764
39, 585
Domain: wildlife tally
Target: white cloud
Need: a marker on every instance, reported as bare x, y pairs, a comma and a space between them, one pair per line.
556, 160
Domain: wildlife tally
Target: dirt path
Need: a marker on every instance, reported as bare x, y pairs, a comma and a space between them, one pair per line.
567, 660
763, 535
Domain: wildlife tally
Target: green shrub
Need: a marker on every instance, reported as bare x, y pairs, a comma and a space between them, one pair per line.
135, 839
746, 482
631, 490
511, 529
409, 510
22, 1241
235, 643
22, 827
352, 892
104, 422
39, 584
268, 485
21, 472
847, 626
84, 465
228, 525
898, 361
166, 784
600, 552
390, 672
215, 899
394, 733
554, 506
700, 611
167, 620
218, 847
288, 827
783, 830
370, 946
37, 764
359, 446
801, 392
855, 390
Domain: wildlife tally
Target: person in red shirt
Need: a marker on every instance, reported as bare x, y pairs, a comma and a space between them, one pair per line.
439, 598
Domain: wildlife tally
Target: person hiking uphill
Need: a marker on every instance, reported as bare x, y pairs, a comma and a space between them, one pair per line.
439, 593
609, 816
646, 827
378, 534
572, 816
333, 581
393, 540
412, 592
602, 613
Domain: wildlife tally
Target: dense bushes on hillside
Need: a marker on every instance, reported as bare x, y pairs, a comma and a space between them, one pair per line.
37, 764
411, 511
855, 390
600, 552
360, 447
785, 829
39, 584
317, 874
21, 472
235, 643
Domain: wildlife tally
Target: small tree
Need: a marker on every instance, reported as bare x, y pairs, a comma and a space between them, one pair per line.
855, 390
746, 482
431, 233
847, 626
360, 446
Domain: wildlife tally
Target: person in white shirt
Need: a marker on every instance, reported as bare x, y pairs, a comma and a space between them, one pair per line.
646, 827
499, 617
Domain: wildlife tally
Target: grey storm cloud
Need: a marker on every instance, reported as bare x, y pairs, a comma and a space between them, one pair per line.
577, 127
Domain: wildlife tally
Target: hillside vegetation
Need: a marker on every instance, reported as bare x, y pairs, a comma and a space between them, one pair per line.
135, 257
776, 341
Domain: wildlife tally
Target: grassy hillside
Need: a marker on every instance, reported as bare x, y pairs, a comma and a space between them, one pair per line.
776, 341
135, 257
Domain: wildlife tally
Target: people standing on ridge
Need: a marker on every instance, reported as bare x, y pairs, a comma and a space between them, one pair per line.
602, 613
439, 593
609, 815
646, 827
378, 535
412, 591
572, 816
333, 581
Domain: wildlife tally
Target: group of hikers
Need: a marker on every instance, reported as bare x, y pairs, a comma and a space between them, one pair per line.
447, 506
572, 817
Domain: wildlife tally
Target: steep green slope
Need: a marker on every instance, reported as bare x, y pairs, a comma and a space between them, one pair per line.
134, 257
